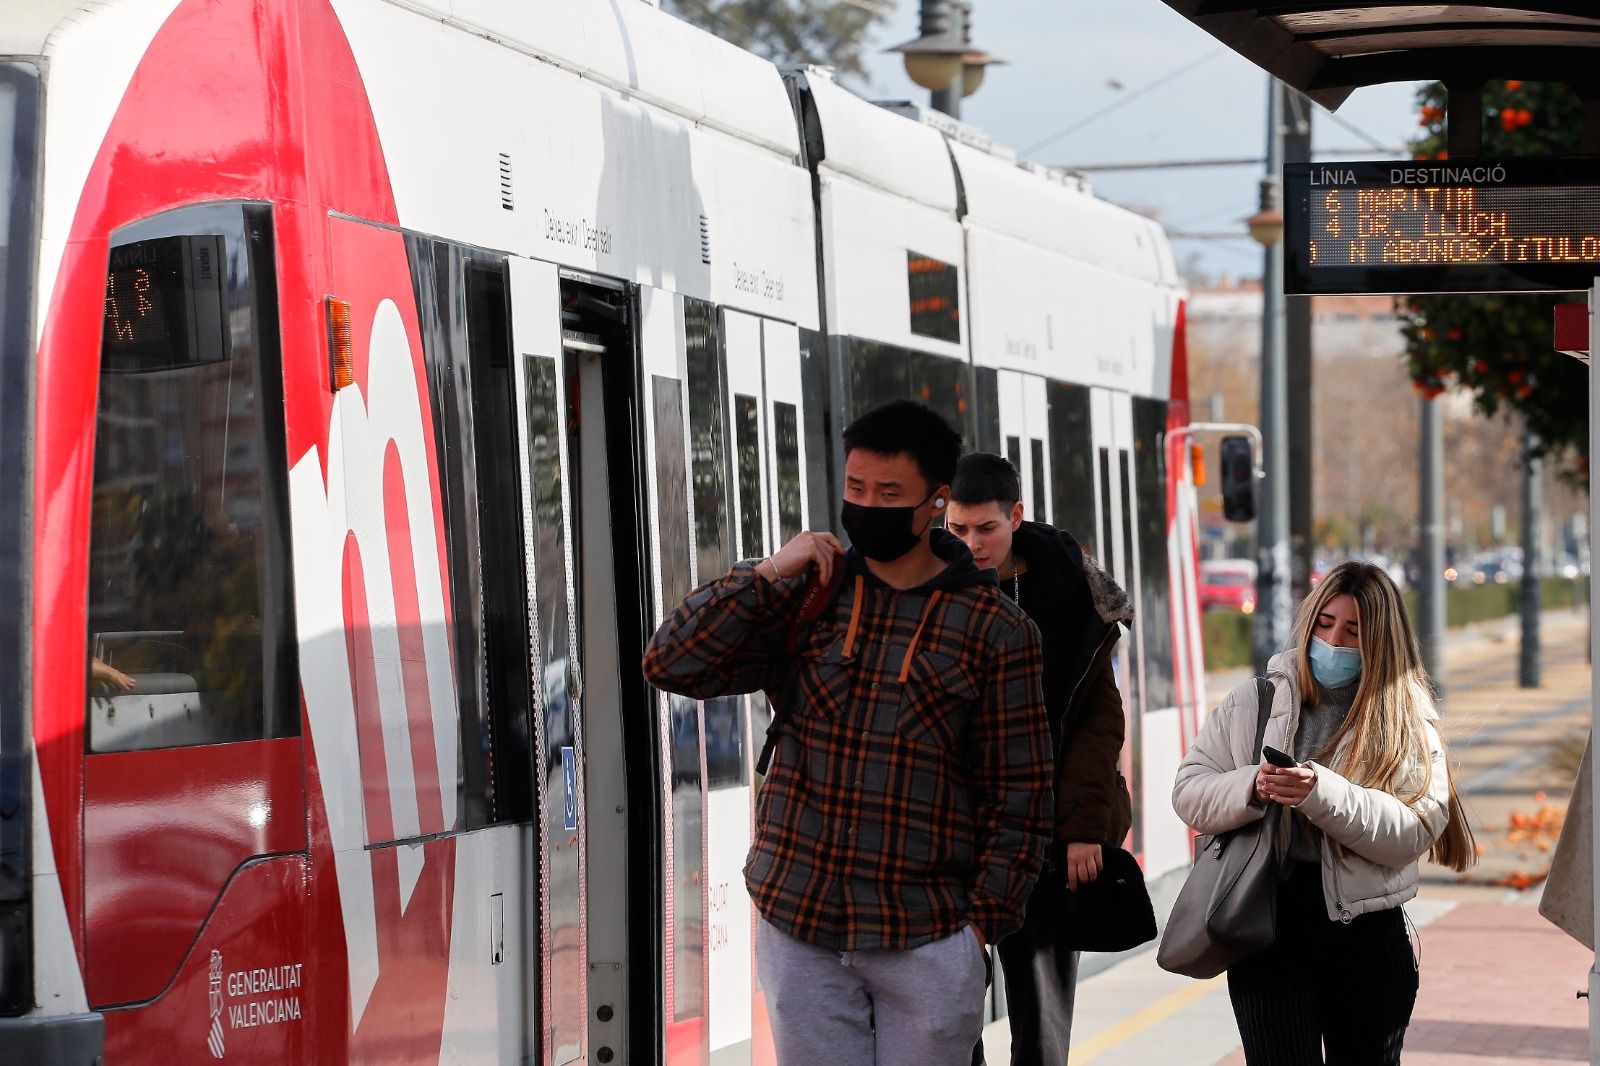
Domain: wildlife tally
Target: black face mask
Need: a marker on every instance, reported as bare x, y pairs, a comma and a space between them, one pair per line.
882, 534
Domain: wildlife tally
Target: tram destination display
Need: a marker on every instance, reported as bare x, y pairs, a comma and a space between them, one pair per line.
1474, 225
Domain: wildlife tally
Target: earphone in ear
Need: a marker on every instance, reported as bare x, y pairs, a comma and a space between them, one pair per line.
938, 505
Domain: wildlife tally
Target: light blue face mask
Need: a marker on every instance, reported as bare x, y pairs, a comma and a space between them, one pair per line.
1333, 667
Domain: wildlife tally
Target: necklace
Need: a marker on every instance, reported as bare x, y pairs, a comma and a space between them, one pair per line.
1016, 587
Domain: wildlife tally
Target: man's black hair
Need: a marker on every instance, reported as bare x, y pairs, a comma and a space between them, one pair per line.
984, 477
905, 427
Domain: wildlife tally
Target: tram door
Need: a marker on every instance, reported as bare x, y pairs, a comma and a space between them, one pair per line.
574, 370
1111, 421
1024, 431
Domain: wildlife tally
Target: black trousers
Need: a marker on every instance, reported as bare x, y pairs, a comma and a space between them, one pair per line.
1325, 987
1041, 987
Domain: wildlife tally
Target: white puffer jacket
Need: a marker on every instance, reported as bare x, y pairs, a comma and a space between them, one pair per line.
1371, 840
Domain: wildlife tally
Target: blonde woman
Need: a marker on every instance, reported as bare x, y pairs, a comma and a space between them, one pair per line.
1369, 795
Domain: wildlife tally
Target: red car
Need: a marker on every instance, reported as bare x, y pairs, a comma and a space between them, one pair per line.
1228, 584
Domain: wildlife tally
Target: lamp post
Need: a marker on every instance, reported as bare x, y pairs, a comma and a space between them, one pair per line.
1272, 618
942, 58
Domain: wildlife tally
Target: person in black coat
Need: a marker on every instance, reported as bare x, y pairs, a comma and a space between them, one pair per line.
1080, 612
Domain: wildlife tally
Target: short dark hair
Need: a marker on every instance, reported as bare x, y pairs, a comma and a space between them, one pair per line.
984, 477
905, 427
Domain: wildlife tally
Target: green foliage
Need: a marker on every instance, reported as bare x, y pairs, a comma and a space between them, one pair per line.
828, 32
1502, 347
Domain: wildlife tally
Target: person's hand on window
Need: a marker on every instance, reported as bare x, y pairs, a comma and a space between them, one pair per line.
109, 677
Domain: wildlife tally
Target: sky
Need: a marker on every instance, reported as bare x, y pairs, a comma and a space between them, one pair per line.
1065, 58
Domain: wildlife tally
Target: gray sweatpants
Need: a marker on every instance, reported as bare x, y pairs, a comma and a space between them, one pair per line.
921, 1007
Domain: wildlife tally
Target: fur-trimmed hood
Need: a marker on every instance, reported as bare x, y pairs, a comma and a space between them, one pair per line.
1110, 601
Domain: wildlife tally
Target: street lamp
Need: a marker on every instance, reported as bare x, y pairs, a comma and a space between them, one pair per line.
942, 59
934, 59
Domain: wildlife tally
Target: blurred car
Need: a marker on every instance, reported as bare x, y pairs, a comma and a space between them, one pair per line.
1228, 584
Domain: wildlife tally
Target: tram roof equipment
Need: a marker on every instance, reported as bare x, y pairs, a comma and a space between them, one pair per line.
1328, 50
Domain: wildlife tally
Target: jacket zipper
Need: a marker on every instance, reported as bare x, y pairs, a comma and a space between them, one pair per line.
1345, 917
1111, 634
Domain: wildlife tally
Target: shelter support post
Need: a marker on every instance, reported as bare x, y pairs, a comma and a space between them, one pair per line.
1594, 682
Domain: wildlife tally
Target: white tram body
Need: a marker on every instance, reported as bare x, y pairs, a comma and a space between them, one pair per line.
374, 376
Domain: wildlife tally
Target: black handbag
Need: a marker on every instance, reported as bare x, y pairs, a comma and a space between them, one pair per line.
1227, 910
1110, 913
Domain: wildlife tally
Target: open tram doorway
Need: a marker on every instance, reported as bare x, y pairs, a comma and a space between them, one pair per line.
586, 528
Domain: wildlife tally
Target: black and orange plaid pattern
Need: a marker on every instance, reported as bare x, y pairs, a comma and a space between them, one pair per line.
893, 813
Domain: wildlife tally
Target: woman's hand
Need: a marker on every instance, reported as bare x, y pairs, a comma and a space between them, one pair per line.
1288, 785
822, 550
1084, 862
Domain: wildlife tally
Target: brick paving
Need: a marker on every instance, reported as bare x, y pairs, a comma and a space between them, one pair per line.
1498, 986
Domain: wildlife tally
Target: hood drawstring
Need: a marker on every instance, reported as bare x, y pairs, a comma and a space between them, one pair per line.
855, 618
911, 648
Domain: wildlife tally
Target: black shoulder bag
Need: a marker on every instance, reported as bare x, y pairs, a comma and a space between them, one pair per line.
1228, 908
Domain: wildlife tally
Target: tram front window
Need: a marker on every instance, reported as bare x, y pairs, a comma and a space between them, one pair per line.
189, 614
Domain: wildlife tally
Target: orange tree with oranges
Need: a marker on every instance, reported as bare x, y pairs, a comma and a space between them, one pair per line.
1502, 347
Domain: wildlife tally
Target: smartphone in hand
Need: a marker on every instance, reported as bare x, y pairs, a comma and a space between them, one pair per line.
1276, 757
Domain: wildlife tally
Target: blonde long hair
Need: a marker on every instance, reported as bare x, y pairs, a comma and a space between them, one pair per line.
1386, 727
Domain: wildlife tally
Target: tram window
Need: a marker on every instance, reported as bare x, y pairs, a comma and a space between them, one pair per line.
1036, 451
725, 739
688, 832
747, 433
814, 385
935, 289
1129, 571
786, 439
1014, 452
190, 637
877, 373
708, 453
1107, 559
1071, 461
986, 390
1155, 575
672, 505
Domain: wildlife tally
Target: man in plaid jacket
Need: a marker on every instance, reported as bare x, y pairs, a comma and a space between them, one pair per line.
908, 805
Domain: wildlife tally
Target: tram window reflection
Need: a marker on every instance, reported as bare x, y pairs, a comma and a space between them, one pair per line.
1071, 469
190, 612
708, 449
672, 510
747, 434
877, 373
786, 441
1155, 575
814, 385
725, 748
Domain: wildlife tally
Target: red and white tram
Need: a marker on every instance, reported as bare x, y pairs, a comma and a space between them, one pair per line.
373, 376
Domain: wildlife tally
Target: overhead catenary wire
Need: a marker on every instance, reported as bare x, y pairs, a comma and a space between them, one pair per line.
1123, 101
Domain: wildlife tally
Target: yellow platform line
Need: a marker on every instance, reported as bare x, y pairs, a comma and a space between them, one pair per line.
1106, 1039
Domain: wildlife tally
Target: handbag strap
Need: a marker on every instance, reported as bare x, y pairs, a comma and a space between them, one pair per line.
1263, 712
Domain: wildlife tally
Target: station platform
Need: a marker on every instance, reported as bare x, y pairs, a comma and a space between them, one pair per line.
1499, 982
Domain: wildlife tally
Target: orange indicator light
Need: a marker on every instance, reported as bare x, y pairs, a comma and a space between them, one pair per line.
341, 349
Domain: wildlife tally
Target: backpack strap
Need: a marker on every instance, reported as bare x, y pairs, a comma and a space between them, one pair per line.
813, 602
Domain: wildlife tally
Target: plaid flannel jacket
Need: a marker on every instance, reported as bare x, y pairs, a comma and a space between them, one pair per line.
910, 791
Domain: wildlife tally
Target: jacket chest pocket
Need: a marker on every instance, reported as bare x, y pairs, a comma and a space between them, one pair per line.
824, 681
936, 700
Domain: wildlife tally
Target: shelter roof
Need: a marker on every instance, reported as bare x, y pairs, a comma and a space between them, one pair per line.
1328, 49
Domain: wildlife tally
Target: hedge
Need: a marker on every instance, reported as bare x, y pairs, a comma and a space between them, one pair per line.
1227, 633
